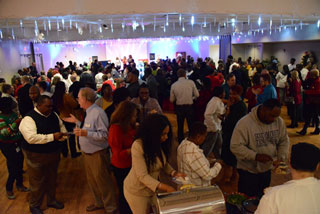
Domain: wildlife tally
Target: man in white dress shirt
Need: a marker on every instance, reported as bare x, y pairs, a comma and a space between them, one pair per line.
42, 131
213, 116
182, 93
302, 193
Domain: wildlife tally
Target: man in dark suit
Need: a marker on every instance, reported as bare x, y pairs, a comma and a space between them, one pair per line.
24, 101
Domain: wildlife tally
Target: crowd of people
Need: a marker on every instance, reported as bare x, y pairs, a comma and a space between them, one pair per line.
116, 116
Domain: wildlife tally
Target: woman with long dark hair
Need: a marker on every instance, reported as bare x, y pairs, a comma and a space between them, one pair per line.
150, 152
121, 135
64, 104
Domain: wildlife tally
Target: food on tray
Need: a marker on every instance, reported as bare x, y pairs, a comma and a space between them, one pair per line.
236, 199
282, 169
187, 186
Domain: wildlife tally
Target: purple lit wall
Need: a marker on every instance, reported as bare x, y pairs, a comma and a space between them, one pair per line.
63, 52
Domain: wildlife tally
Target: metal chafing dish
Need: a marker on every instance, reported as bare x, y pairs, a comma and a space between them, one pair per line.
202, 200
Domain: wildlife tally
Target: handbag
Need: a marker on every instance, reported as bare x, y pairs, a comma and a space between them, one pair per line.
289, 100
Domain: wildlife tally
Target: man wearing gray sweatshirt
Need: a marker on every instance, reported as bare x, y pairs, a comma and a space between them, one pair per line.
259, 142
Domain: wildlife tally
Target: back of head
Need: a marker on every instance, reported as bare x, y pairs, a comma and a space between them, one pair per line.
60, 88
206, 83
43, 85
135, 72
25, 79
5, 104
256, 79
259, 68
305, 157
106, 90
314, 73
229, 76
197, 128
120, 94
6, 88
271, 103
148, 71
285, 69
217, 91
299, 66
295, 75
237, 88
266, 77
124, 114
181, 72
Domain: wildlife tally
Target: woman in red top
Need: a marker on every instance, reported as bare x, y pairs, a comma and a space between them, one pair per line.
312, 103
295, 92
121, 136
252, 98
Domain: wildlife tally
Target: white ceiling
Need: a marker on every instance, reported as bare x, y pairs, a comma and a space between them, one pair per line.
30, 20
85, 27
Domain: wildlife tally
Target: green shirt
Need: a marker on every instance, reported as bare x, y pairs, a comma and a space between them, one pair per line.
9, 128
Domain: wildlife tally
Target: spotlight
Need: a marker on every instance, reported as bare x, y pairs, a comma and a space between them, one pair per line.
259, 20
192, 20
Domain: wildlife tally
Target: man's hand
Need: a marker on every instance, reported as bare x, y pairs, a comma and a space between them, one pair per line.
221, 116
263, 158
256, 91
170, 189
80, 132
165, 188
58, 135
179, 174
153, 111
276, 163
71, 119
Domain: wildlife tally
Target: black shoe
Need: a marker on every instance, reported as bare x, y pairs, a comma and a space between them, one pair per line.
56, 205
315, 132
35, 210
77, 154
23, 189
302, 132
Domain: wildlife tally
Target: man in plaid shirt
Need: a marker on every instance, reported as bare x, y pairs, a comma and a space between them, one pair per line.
191, 159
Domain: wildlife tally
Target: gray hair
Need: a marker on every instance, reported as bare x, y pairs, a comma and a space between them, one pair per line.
25, 79
89, 94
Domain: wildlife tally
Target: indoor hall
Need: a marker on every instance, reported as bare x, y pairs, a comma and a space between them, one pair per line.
85, 31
